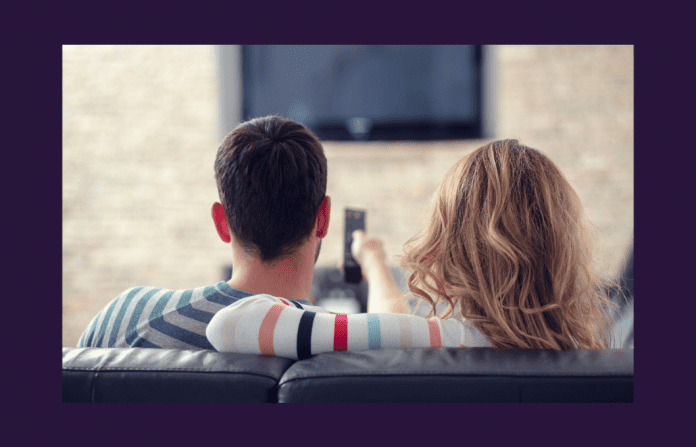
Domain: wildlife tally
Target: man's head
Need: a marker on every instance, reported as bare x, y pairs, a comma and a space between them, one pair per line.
271, 177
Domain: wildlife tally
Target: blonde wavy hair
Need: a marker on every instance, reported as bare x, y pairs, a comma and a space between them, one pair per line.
505, 247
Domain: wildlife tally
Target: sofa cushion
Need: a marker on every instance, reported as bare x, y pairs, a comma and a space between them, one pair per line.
168, 375
461, 375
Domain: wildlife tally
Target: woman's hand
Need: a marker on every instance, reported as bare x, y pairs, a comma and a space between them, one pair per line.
384, 295
367, 249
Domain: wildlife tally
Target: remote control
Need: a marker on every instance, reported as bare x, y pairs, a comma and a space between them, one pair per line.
354, 220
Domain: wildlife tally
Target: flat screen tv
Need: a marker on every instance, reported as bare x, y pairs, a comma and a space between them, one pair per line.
367, 93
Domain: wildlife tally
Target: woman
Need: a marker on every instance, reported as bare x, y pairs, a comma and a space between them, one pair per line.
504, 248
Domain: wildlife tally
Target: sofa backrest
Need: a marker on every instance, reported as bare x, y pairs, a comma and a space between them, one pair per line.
462, 375
169, 375
385, 375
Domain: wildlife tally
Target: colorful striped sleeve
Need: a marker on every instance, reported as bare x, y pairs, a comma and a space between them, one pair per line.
275, 326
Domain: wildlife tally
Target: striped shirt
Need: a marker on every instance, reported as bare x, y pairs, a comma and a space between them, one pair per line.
263, 324
148, 317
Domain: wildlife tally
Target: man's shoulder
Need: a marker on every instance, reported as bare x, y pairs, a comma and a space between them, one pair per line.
286, 301
220, 291
145, 316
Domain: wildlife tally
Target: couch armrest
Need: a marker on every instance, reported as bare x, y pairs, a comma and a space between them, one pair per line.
461, 375
169, 375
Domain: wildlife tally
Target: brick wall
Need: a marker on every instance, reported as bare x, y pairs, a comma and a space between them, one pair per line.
140, 132
575, 103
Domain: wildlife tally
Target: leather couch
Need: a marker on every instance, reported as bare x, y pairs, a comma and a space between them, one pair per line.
386, 375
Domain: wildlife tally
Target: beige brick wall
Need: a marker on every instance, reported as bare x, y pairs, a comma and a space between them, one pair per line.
140, 131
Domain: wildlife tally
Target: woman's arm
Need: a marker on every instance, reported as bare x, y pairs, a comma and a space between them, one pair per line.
384, 295
263, 324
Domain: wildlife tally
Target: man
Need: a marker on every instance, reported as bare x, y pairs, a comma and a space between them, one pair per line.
273, 210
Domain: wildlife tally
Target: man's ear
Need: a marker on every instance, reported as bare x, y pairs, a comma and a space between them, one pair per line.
323, 217
220, 221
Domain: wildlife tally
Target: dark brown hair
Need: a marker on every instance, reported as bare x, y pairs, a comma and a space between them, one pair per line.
271, 177
506, 245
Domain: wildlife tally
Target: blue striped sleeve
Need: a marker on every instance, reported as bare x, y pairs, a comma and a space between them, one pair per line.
119, 319
107, 317
88, 334
132, 328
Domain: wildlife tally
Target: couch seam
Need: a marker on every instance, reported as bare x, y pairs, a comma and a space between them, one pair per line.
451, 375
94, 386
98, 370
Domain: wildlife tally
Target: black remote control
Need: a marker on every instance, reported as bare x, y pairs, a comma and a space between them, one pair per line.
354, 220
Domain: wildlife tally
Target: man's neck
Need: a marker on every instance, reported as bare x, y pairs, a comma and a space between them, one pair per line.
289, 277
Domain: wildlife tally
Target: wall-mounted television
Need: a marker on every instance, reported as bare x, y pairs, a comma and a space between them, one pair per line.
367, 93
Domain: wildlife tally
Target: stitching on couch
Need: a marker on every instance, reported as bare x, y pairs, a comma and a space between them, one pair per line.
94, 386
440, 374
125, 368
466, 373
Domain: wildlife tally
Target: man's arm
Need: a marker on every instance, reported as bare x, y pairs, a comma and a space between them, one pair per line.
384, 295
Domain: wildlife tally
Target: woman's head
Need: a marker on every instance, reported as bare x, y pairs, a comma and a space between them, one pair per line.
505, 243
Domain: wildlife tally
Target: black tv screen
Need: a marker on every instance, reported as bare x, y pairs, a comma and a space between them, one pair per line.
379, 92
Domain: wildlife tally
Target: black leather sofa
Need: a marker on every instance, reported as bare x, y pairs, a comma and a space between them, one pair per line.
387, 375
